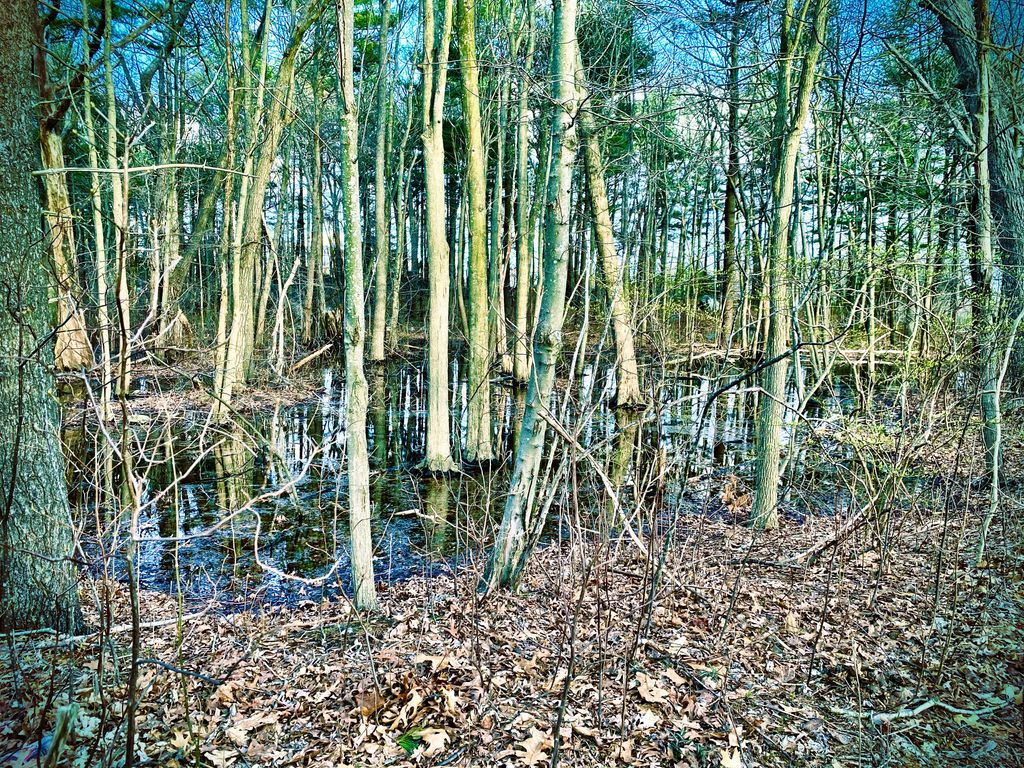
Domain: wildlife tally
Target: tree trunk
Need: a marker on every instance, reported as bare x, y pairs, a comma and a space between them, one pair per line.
435, 74
382, 241
401, 192
789, 125
37, 578
1006, 172
96, 200
356, 394
316, 233
987, 287
627, 378
730, 273
524, 229
119, 215
497, 270
72, 348
521, 523
249, 224
478, 434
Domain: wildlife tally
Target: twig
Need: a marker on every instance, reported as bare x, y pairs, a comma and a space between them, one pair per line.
878, 718
179, 670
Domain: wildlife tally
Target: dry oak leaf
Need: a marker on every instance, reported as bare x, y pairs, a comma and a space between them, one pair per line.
648, 720
221, 758
179, 740
433, 741
531, 750
369, 702
650, 690
790, 624
731, 758
237, 736
256, 720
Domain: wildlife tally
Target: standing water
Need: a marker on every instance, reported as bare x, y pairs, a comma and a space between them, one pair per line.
257, 511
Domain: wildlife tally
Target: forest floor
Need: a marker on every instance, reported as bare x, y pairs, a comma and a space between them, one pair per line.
744, 662
183, 389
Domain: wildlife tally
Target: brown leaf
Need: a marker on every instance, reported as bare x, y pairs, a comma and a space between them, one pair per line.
369, 702
433, 741
650, 690
532, 749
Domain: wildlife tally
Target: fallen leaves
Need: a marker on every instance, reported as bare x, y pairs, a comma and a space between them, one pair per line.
651, 691
532, 750
720, 678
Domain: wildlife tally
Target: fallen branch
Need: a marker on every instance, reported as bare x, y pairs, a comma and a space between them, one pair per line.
116, 629
810, 555
181, 671
311, 356
878, 718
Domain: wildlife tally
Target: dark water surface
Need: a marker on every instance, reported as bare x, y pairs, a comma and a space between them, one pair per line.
226, 512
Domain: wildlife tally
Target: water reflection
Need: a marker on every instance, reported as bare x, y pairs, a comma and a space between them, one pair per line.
215, 503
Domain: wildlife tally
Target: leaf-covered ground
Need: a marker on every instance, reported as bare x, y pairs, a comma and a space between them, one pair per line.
742, 661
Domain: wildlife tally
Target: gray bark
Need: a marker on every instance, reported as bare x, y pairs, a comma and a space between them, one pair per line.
37, 577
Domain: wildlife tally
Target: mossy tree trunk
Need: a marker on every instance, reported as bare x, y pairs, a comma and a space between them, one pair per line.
72, 348
478, 433
524, 231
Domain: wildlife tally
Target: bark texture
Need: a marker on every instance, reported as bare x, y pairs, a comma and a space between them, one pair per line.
37, 577
381, 219
435, 76
627, 376
357, 395
478, 433
72, 349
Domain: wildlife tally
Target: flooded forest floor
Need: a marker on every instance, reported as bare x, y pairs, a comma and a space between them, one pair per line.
696, 642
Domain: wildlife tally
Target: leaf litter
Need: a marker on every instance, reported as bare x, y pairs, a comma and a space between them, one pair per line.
740, 662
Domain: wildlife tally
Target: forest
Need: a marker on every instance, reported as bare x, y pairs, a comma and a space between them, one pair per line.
511, 383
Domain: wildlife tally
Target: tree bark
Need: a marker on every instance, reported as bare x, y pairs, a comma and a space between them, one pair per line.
627, 377
730, 273
524, 228
478, 434
521, 523
37, 578
72, 348
248, 237
356, 394
435, 75
382, 240
789, 125
1005, 169
119, 214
